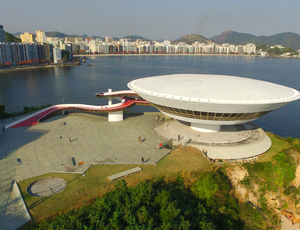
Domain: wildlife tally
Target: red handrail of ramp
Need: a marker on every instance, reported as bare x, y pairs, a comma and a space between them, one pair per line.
34, 118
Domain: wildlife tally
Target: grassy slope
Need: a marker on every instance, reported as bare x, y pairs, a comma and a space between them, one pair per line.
82, 189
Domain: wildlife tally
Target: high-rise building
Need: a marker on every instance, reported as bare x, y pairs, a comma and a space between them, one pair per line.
69, 40
2, 54
40, 36
2, 34
57, 55
78, 40
43, 51
32, 54
27, 37
108, 40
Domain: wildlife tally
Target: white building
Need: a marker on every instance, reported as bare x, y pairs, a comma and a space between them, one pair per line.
250, 48
57, 57
209, 101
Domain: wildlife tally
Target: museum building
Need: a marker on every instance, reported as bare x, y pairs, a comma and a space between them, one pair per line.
209, 101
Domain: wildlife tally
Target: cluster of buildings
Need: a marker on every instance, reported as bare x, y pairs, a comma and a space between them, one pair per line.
33, 49
165, 47
39, 48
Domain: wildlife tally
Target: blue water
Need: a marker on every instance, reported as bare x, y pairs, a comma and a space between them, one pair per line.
78, 84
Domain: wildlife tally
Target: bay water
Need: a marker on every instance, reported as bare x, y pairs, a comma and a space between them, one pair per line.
78, 84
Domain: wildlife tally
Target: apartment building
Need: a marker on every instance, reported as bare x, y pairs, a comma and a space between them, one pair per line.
27, 37
40, 36
2, 34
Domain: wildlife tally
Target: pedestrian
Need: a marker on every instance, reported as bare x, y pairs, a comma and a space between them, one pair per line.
70, 139
140, 140
65, 123
60, 137
160, 145
143, 160
3, 129
179, 137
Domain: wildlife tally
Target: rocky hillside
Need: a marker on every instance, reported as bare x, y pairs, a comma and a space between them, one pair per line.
271, 185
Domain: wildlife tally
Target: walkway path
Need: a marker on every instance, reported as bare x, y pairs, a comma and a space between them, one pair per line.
34, 118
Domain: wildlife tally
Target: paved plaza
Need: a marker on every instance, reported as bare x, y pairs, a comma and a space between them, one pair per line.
72, 142
50, 146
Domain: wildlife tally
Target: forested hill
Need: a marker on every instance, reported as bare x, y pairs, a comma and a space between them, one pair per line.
135, 37
287, 39
189, 39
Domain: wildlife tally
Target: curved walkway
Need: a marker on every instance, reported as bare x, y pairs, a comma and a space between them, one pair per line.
41, 115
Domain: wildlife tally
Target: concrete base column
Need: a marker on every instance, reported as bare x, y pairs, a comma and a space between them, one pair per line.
205, 127
115, 116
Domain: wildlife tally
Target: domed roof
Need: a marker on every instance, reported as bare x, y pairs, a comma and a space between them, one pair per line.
213, 88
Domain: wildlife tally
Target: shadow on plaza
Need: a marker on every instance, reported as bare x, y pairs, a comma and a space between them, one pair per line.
10, 141
14, 138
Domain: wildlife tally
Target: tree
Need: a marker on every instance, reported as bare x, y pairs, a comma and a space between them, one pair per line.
66, 55
206, 186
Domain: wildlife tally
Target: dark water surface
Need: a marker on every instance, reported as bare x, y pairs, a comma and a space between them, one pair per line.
78, 84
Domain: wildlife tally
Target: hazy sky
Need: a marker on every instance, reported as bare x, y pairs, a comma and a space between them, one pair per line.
153, 19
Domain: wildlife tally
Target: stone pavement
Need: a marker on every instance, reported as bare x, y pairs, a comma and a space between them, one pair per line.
91, 139
50, 145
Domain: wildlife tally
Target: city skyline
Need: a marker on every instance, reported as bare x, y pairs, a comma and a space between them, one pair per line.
153, 20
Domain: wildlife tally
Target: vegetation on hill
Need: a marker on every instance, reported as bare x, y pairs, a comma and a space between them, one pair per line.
11, 38
133, 38
287, 39
202, 201
275, 51
189, 39
58, 34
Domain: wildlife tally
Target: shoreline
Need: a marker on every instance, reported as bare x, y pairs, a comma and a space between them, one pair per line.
146, 54
199, 54
18, 68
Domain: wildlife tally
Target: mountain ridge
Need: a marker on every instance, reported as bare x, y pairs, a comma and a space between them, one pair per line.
286, 39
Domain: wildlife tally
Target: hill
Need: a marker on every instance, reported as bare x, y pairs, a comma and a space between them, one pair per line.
11, 38
286, 39
133, 38
59, 34
189, 39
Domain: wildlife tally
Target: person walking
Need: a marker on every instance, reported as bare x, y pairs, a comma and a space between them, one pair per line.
179, 137
160, 145
140, 140
70, 139
143, 160
3, 129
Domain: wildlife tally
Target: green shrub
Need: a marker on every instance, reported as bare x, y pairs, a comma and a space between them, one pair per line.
290, 190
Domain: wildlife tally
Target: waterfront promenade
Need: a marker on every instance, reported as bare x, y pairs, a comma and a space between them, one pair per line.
49, 145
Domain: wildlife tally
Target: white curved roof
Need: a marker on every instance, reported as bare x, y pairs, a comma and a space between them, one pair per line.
214, 88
